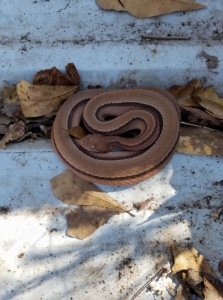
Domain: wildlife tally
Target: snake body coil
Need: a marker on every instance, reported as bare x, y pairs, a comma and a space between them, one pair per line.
151, 112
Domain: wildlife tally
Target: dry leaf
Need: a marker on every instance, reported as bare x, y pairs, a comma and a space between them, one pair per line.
182, 293
15, 131
77, 132
5, 120
111, 4
71, 189
56, 78
210, 101
186, 258
185, 94
38, 100
199, 117
83, 221
95, 209
212, 292
151, 8
9, 99
143, 204
3, 129
220, 267
191, 268
200, 141
193, 99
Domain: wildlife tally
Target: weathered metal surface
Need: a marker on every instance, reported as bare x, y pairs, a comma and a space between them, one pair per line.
38, 260
110, 48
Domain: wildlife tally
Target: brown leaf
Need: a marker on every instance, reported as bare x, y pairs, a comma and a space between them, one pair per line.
71, 189
77, 132
193, 99
83, 221
10, 100
185, 94
5, 120
3, 129
197, 116
191, 268
38, 100
151, 8
186, 258
220, 267
143, 204
182, 293
200, 141
15, 131
212, 292
111, 4
210, 100
56, 78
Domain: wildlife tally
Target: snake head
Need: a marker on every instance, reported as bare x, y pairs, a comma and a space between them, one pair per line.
96, 142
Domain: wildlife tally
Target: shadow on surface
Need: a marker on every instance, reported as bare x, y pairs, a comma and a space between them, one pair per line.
122, 255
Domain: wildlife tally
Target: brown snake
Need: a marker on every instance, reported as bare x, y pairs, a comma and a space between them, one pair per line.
151, 113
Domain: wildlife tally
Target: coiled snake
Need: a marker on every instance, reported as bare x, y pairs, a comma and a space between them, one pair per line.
109, 155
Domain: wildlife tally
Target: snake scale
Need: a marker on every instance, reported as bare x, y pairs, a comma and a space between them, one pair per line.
132, 134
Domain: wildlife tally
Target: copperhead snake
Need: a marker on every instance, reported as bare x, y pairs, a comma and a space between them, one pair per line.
151, 113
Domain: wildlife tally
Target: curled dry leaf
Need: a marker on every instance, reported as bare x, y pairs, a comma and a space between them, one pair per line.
71, 189
212, 292
150, 8
199, 117
141, 205
185, 94
83, 221
188, 258
199, 106
182, 293
200, 141
211, 102
54, 77
194, 270
15, 131
9, 99
39, 100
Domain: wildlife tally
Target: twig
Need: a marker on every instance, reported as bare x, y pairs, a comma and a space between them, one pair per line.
162, 270
199, 126
166, 38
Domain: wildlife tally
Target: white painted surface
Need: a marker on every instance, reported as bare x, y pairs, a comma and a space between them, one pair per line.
107, 47
108, 50
55, 266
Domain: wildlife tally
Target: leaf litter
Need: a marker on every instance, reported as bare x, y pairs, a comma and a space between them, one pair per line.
195, 275
195, 278
30, 109
201, 119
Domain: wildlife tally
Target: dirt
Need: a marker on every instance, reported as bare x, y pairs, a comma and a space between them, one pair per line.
211, 61
4, 210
